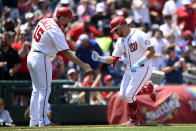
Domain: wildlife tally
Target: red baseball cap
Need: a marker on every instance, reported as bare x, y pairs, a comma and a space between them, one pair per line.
116, 21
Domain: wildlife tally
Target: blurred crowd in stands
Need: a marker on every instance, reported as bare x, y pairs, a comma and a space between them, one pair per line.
170, 25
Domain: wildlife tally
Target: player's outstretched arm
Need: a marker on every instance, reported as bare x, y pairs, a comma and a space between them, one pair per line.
76, 60
149, 53
104, 59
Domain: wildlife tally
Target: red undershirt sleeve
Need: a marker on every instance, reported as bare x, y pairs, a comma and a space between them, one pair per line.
116, 59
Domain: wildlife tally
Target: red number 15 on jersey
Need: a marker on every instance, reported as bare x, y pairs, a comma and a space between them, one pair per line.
38, 33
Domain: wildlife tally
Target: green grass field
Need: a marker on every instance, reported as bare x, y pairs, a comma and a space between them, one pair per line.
170, 127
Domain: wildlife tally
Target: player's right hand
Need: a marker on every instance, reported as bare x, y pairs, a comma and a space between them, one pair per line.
95, 56
86, 67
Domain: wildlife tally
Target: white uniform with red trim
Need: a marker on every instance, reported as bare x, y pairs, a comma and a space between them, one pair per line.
133, 47
48, 39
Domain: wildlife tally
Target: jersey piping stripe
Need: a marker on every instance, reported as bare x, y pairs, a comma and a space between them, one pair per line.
46, 87
130, 59
127, 56
134, 31
140, 84
131, 35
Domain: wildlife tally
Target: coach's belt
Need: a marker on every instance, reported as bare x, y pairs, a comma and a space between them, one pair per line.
40, 52
142, 65
37, 51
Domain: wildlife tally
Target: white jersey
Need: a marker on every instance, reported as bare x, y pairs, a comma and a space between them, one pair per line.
132, 47
48, 38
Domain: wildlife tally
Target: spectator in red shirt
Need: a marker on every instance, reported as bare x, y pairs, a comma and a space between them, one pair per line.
23, 48
85, 28
185, 15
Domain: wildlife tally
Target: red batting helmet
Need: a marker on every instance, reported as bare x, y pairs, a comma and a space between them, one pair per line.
64, 11
115, 22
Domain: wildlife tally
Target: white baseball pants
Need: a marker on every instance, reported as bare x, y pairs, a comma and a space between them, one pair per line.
40, 69
133, 82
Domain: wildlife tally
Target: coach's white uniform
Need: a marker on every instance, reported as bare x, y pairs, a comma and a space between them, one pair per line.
48, 39
133, 47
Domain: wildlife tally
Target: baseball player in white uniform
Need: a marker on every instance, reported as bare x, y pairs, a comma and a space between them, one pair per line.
137, 49
48, 39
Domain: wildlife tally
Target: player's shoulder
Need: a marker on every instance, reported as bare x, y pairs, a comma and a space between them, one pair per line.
54, 25
43, 20
137, 33
119, 42
50, 21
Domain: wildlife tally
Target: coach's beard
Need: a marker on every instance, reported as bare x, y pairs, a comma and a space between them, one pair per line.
65, 25
120, 35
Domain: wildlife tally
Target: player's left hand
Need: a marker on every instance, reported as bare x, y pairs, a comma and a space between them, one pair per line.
135, 67
95, 56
